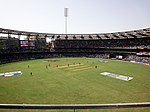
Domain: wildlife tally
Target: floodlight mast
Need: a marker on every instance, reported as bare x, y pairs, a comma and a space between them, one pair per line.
66, 15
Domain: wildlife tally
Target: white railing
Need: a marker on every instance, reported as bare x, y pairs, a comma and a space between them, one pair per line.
74, 106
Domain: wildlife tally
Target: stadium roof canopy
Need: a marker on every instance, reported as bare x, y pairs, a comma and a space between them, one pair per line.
116, 35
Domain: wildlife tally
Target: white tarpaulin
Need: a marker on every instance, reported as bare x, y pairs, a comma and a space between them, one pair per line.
9, 74
117, 76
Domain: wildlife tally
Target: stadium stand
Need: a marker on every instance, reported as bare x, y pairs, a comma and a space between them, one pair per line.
138, 59
127, 45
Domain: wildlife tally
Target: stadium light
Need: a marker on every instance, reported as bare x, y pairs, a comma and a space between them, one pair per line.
66, 15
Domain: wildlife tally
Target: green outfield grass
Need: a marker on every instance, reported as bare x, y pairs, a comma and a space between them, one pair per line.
74, 81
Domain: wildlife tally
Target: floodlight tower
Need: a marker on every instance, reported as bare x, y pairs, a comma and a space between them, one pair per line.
66, 15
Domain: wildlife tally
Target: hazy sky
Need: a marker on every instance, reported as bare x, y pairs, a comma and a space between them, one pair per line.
85, 16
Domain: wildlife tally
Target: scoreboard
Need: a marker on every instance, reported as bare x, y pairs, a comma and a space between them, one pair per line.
26, 43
